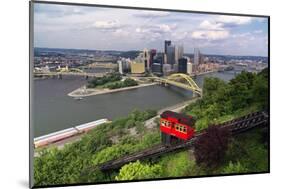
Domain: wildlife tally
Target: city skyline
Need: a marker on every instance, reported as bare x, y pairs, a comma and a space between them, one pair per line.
78, 27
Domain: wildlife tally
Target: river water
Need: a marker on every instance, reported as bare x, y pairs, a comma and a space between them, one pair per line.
53, 110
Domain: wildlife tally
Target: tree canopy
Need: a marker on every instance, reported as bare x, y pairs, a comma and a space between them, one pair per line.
246, 90
210, 148
137, 170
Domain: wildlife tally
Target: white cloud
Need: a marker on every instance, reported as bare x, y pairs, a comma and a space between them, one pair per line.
234, 20
258, 31
107, 25
210, 30
166, 28
240, 35
218, 28
180, 35
152, 14
155, 32
210, 34
206, 24
121, 33
160, 28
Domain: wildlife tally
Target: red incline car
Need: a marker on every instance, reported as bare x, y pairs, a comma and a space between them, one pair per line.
178, 125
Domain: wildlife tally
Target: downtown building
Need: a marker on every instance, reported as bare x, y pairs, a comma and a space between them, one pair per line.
172, 54
141, 62
157, 65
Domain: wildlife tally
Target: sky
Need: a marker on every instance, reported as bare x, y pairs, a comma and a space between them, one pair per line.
80, 27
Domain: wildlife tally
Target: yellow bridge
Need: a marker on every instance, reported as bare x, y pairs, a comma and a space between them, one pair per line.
182, 81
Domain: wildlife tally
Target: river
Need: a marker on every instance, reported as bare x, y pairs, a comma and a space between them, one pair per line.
53, 110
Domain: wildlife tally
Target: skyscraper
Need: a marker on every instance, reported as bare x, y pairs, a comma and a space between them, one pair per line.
159, 58
146, 58
171, 55
178, 53
166, 44
152, 54
196, 56
182, 68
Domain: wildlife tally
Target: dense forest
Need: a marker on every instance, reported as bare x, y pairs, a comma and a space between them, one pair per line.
221, 101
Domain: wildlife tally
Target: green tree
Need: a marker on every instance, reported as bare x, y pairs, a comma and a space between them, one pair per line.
260, 89
130, 82
234, 168
112, 152
241, 90
137, 170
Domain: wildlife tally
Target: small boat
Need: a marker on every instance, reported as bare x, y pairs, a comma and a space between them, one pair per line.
78, 98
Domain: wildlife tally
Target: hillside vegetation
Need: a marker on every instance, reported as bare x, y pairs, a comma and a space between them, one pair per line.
222, 101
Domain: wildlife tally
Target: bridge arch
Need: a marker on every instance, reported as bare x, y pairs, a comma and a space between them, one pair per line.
176, 80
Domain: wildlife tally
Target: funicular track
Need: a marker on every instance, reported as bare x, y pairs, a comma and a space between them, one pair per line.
236, 126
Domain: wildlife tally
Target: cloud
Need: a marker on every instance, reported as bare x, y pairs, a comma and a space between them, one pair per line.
107, 25
121, 33
155, 32
210, 30
180, 35
258, 31
160, 28
124, 29
55, 11
233, 20
239, 35
206, 24
149, 14
218, 28
104, 25
210, 34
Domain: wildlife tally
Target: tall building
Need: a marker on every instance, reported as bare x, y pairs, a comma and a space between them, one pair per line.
157, 65
156, 68
171, 55
182, 66
189, 68
120, 66
166, 44
178, 53
146, 58
151, 58
159, 58
123, 65
196, 56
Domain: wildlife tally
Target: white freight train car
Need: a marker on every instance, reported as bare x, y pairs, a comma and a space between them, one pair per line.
88, 126
66, 133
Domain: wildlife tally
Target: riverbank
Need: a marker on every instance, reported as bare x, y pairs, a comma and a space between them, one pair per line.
203, 73
84, 91
148, 123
